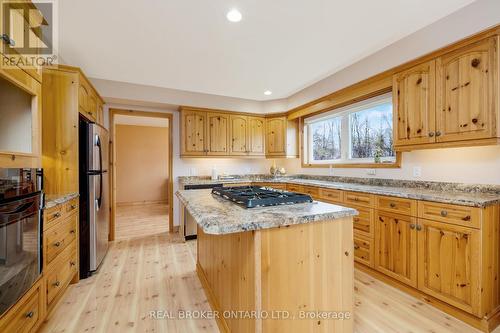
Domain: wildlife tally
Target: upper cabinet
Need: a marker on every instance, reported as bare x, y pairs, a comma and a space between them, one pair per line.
239, 135
207, 132
217, 134
256, 136
90, 104
193, 127
20, 118
66, 95
414, 97
281, 137
467, 85
449, 101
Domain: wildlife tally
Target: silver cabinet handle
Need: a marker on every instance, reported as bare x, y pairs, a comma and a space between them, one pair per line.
419, 227
30, 314
56, 284
431, 134
438, 133
412, 226
444, 213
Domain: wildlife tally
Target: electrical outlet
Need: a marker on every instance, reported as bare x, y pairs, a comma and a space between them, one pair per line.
417, 171
371, 172
330, 170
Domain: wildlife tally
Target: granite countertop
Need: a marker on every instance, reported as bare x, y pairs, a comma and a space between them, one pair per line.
218, 216
452, 193
52, 200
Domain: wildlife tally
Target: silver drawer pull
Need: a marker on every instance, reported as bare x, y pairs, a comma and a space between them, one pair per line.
412, 226
356, 247
57, 244
392, 204
72, 207
56, 215
57, 284
444, 213
30, 314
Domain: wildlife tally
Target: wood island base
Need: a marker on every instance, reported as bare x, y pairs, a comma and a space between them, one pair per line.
290, 279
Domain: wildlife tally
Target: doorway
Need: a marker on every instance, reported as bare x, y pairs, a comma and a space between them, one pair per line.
141, 173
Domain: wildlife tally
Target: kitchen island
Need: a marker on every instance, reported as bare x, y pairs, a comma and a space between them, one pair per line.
285, 268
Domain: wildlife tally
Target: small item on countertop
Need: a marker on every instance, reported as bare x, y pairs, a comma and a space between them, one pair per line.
273, 168
214, 173
282, 171
226, 177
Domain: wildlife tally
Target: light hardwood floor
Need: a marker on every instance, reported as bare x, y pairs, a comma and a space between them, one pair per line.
140, 220
158, 273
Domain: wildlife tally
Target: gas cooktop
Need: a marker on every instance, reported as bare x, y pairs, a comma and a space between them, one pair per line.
256, 196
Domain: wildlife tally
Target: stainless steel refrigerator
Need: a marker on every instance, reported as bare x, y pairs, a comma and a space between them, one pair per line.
94, 196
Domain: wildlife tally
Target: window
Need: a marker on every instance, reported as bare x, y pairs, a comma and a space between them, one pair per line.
358, 133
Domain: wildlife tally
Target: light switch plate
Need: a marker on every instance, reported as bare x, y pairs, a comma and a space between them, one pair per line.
417, 171
371, 172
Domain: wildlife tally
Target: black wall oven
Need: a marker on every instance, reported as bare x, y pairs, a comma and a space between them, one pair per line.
21, 201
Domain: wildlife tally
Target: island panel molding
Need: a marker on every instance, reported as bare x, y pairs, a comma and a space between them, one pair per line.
256, 270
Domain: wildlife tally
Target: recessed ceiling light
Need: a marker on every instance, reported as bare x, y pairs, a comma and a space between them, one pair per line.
234, 15
268, 92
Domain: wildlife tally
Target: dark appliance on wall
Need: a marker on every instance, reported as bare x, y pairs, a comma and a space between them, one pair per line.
189, 225
21, 202
94, 196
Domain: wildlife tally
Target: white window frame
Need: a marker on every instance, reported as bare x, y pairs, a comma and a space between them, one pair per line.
345, 143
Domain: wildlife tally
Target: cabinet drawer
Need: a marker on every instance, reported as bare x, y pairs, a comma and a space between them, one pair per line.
357, 198
61, 272
26, 314
458, 215
51, 216
71, 206
312, 191
397, 205
56, 239
278, 186
363, 250
363, 223
331, 195
295, 188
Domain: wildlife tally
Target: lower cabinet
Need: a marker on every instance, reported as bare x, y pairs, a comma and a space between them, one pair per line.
363, 250
449, 263
28, 314
396, 246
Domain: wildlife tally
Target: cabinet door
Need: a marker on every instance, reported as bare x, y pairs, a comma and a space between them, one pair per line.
448, 264
414, 99
275, 136
92, 106
218, 134
396, 247
256, 136
239, 126
193, 127
83, 99
100, 113
466, 84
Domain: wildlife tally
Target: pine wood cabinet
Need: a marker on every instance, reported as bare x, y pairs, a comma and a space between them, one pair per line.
217, 134
193, 136
239, 135
414, 98
24, 122
396, 246
451, 100
206, 132
281, 137
467, 92
448, 264
256, 136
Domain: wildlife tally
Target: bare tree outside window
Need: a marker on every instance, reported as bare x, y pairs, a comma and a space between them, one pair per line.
326, 137
371, 132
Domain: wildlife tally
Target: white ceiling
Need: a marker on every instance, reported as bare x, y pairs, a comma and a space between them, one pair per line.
280, 45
